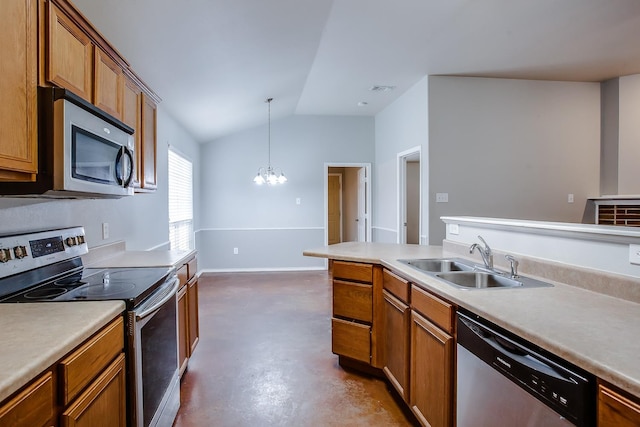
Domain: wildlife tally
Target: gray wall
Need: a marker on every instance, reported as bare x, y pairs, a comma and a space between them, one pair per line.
399, 127
609, 100
629, 135
512, 148
266, 225
141, 220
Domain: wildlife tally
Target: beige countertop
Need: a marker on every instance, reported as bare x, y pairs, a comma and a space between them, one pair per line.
126, 259
35, 336
596, 332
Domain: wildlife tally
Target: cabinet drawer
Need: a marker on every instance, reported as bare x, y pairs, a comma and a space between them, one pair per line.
83, 365
33, 407
350, 339
192, 268
353, 271
396, 285
183, 275
438, 311
352, 300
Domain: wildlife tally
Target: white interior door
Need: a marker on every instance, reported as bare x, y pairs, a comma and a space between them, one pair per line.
362, 205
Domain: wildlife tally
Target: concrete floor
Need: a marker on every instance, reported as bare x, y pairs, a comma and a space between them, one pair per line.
264, 359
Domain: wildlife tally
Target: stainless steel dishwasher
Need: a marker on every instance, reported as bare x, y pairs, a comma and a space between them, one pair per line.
502, 380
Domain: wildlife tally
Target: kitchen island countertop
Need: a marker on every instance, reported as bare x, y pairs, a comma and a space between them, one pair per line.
596, 332
37, 335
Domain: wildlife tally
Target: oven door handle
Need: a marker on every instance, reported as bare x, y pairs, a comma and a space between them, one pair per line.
155, 307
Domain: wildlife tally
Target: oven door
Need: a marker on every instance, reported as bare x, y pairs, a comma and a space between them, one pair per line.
154, 381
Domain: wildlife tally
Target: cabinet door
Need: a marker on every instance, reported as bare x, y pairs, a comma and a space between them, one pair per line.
194, 330
108, 84
69, 54
147, 171
431, 373
103, 403
132, 116
396, 343
183, 329
616, 410
33, 407
18, 107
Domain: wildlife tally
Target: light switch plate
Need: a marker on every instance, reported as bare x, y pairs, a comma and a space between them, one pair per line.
454, 229
634, 254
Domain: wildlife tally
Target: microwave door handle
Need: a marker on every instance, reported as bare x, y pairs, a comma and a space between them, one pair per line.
155, 307
124, 153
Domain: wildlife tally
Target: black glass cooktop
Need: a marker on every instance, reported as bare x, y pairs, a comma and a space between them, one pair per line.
131, 285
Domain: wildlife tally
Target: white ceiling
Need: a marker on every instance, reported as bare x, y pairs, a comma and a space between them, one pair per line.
214, 62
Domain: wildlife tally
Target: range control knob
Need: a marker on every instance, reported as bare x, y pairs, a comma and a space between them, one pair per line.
20, 252
80, 239
70, 241
5, 255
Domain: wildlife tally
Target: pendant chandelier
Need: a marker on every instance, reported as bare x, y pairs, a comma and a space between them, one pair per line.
269, 175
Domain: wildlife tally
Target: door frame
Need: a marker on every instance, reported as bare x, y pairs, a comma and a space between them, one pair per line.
325, 178
402, 159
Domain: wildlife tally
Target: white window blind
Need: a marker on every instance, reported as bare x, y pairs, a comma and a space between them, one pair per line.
180, 201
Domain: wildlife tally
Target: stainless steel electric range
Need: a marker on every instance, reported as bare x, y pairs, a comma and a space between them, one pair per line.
45, 266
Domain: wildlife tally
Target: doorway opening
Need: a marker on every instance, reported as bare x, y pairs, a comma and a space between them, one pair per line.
409, 196
347, 202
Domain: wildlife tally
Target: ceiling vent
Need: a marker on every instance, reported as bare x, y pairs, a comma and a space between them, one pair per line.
381, 88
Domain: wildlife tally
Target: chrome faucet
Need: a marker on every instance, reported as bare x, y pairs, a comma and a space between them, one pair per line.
485, 253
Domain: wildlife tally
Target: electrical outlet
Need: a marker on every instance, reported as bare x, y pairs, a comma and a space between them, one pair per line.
634, 254
235, 251
442, 197
105, 230
298, 200
570, 198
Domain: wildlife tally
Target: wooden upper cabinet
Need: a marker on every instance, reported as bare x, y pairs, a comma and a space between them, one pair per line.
69, 54
147, 171
108, 84
132, 116
18, 86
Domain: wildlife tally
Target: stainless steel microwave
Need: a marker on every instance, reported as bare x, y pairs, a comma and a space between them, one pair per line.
83, 152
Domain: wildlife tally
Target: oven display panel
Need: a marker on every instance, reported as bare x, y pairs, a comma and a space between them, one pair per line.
47, 246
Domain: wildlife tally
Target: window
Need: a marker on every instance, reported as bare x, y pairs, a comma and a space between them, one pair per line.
180, 201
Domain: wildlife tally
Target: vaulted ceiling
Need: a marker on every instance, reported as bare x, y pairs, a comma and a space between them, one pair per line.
214, 62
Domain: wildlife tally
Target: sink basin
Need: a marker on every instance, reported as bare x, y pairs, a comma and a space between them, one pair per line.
438, 265
479, 280
463, 274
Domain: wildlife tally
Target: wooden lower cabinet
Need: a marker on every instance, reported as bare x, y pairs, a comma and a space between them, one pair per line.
194, 323
86, 388
183, 329
431, 373
103, 403
396, 343
188, 313
33, 407
616, 409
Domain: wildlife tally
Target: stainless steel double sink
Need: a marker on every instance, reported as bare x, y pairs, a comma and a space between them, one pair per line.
464, 274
